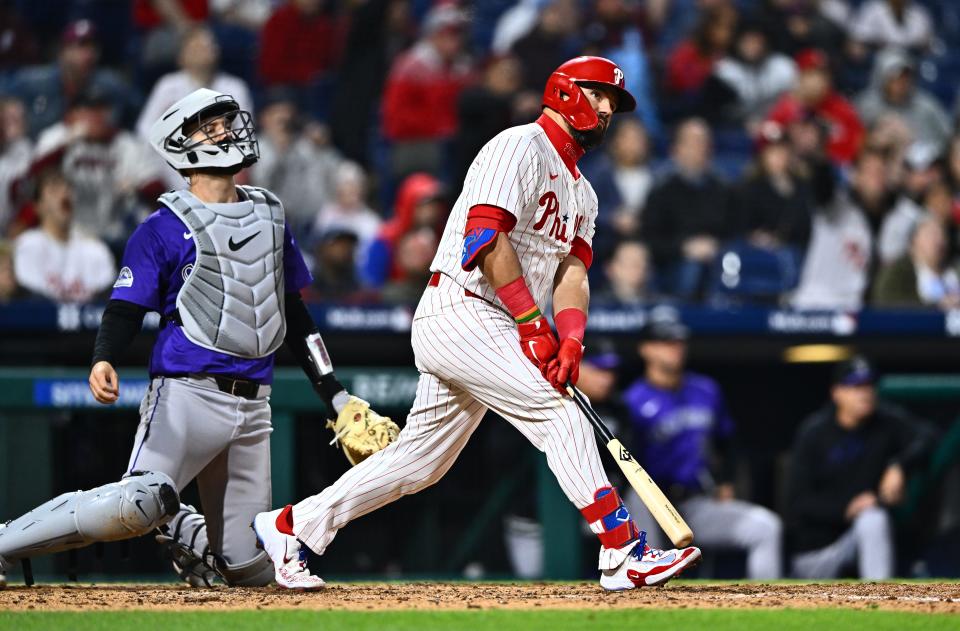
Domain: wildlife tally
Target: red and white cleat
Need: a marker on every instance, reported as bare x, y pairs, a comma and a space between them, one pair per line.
646, 567
287, 553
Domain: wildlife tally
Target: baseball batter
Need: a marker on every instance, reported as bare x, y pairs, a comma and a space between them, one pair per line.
519, 237
218, 262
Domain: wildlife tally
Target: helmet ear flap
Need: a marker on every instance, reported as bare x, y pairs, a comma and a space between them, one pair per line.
576, 109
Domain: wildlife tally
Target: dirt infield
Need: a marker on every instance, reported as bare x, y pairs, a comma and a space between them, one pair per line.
917, 597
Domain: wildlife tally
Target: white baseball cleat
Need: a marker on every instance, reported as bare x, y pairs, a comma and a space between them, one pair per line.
289, 556
647, 567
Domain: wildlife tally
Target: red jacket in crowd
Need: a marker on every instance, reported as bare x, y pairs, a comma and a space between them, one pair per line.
147, 18
688, 68
420, 98
845, 130
296, 48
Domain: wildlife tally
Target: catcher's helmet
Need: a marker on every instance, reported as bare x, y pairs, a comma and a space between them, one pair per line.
174, 135
584, 71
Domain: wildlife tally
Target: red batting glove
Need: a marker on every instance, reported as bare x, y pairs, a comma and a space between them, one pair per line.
566, 366
537, 341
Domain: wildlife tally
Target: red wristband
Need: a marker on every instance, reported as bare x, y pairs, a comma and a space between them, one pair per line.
516, 297
571, 322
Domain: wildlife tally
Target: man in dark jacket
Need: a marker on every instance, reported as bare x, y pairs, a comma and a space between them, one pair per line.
848, 466
688, 213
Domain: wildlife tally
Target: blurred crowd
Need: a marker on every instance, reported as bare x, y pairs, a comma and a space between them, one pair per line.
799, 153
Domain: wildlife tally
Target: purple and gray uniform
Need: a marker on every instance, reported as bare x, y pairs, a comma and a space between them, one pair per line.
674, 429
226, 277
675, 434
191, 426
159, 256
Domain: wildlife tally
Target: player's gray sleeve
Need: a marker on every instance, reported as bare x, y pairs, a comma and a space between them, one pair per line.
120, 510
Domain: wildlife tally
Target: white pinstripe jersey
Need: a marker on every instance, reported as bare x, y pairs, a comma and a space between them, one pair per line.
520, 171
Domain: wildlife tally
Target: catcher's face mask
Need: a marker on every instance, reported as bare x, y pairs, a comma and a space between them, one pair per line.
230, 131
206, 130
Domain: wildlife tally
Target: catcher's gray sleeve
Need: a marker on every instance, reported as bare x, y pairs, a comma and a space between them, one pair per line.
120, 510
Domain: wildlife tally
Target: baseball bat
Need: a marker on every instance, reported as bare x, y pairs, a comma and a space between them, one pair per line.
657, 503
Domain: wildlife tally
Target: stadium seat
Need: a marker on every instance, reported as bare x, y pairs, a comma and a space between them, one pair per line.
731, 164
750, 274
732, 140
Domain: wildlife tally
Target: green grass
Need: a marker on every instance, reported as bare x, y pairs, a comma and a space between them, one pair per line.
492, 620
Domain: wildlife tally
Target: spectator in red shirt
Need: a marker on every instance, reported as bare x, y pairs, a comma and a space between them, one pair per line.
691, 62
420, 98
299, 44
815, 97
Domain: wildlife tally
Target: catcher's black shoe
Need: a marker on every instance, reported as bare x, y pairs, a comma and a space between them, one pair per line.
184, 540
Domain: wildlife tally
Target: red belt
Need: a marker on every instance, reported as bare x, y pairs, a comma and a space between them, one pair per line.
435, 281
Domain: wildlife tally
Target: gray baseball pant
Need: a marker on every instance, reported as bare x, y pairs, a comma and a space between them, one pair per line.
869, 542
190, 429
723, 524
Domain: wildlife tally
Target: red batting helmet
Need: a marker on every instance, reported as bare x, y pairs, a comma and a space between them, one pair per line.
585, 71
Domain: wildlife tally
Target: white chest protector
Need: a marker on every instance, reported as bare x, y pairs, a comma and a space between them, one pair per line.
232, 301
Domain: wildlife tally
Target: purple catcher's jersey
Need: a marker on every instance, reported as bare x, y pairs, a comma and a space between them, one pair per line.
673, 428
157, 259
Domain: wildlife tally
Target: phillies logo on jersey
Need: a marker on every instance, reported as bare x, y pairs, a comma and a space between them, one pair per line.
558, 229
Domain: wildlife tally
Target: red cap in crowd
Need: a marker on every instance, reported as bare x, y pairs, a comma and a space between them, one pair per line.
811, 59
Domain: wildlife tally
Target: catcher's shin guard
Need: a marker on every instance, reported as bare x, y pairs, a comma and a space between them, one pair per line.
120, 510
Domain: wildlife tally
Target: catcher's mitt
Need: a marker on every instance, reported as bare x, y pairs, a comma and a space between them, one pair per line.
360, 431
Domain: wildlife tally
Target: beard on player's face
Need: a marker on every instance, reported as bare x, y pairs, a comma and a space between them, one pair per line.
592, 138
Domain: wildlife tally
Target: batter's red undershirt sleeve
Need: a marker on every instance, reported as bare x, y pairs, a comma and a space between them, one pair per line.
582, 250
486, 216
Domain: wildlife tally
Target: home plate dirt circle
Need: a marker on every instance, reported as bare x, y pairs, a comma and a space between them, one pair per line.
918, 597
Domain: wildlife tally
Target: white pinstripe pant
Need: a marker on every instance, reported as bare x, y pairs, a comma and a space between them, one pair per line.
469, 358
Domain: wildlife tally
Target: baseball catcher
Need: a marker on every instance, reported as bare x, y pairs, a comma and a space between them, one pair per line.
220, 265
